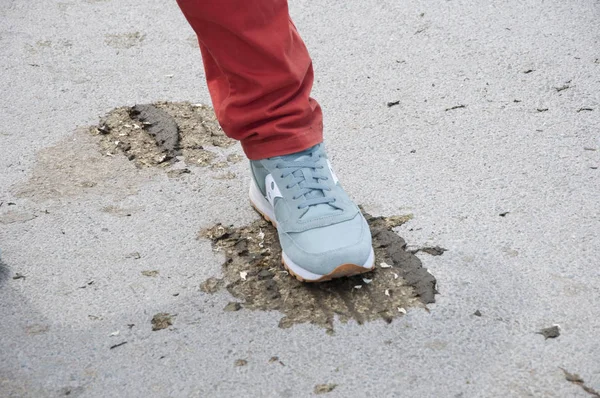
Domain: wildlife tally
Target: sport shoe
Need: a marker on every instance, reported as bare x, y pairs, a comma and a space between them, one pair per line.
322, 233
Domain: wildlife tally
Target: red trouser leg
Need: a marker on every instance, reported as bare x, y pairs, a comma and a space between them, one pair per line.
259, 74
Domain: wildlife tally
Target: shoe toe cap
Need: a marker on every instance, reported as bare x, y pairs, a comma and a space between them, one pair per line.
322, 250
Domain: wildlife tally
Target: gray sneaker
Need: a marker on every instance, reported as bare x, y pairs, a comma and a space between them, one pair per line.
322, 233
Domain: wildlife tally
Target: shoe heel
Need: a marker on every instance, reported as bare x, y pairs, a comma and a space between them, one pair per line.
261, 204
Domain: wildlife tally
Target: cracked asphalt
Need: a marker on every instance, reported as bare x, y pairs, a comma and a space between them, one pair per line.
478, 121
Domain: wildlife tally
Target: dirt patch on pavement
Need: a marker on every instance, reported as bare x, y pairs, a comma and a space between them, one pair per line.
161, 321
163, 133
577, 380
74, 167
253, 274
173, 137
124, 40
11, 217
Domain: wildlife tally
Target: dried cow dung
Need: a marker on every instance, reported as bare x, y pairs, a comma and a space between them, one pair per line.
160, 125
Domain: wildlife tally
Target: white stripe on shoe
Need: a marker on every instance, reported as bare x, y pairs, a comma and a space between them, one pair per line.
272, 190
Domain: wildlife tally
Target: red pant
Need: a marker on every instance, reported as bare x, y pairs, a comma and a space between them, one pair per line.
259, 74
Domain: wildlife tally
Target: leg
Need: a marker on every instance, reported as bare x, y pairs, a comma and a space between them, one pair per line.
259, 74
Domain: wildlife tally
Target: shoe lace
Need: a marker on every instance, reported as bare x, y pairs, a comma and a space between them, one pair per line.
312, 189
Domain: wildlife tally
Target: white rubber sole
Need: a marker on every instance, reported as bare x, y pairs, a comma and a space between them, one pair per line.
262, 205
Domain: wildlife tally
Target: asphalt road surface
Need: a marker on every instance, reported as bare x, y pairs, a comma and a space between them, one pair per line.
492, 150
